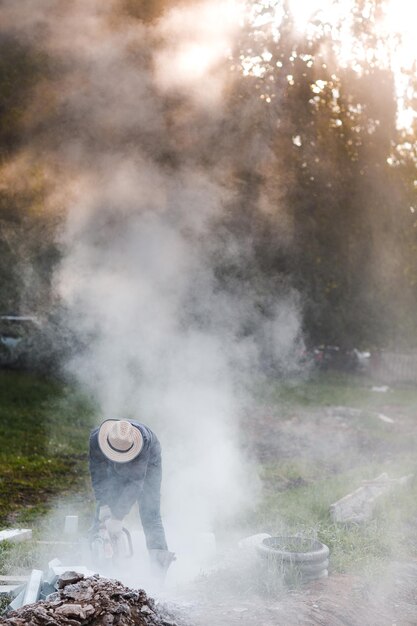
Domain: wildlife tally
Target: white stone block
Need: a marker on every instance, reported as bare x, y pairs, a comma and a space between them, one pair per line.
15, 534
5, 590
79, 569
18, 601
359, 505
71, 525
9, 579
33, 588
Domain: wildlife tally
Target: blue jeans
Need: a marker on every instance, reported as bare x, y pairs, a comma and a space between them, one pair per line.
150, 508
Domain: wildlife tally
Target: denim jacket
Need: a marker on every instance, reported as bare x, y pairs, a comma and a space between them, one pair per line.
119, 485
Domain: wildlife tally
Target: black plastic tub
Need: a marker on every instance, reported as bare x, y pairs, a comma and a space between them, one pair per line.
295, 558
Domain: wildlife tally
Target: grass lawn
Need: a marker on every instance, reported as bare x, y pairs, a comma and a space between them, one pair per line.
390, 534
325, 389
297, 490
44, 429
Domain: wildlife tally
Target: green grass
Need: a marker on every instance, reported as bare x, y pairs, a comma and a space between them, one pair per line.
303, 508
335, 389
297, 492
44, 430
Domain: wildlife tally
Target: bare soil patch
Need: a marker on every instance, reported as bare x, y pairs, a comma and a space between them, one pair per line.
340, 600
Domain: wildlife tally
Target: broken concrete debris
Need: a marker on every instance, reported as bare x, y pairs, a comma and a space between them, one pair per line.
6, 590
57, 570
39, 585
95, 601
358, 506
16, 534
9, 579
67, 578
33, 587
71, 525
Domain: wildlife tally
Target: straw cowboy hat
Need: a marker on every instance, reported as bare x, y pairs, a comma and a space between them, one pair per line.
119, 440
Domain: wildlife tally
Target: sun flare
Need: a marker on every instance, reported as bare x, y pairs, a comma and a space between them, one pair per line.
393, 23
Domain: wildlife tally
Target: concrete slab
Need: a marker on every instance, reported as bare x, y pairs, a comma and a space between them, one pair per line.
9, 579
79, 569
56, 569
17, 602
16, 534
46, 590
33, 587
6, 590
358, 506
71, 525
50, 575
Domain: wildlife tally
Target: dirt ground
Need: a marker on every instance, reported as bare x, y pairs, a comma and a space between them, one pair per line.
339, 437
338, 601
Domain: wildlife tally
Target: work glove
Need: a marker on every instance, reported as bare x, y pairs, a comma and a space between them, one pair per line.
160, 562
104, 513
114, 526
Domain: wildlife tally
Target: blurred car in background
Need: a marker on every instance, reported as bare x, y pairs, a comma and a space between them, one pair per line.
37, 344
17, 339
326, 357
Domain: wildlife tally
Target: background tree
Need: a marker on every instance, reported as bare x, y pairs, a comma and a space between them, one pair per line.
321, 185
327, 131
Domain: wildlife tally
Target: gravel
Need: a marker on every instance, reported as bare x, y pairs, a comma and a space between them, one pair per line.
95, 601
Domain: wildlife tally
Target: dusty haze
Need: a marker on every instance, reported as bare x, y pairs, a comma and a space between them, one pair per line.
134, 120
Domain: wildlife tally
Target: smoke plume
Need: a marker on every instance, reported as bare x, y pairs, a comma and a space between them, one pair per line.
134, 115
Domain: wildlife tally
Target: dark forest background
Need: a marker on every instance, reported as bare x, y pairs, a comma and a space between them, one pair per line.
325, 184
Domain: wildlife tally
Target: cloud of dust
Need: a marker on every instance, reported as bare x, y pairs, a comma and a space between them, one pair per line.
162, 341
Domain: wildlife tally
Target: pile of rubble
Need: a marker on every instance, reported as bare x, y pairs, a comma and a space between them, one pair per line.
93, 600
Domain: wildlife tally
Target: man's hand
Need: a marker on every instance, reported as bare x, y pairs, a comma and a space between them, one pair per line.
114, 526
104, 513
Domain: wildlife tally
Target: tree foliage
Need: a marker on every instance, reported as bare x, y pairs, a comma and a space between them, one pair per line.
323, 180
328, 135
